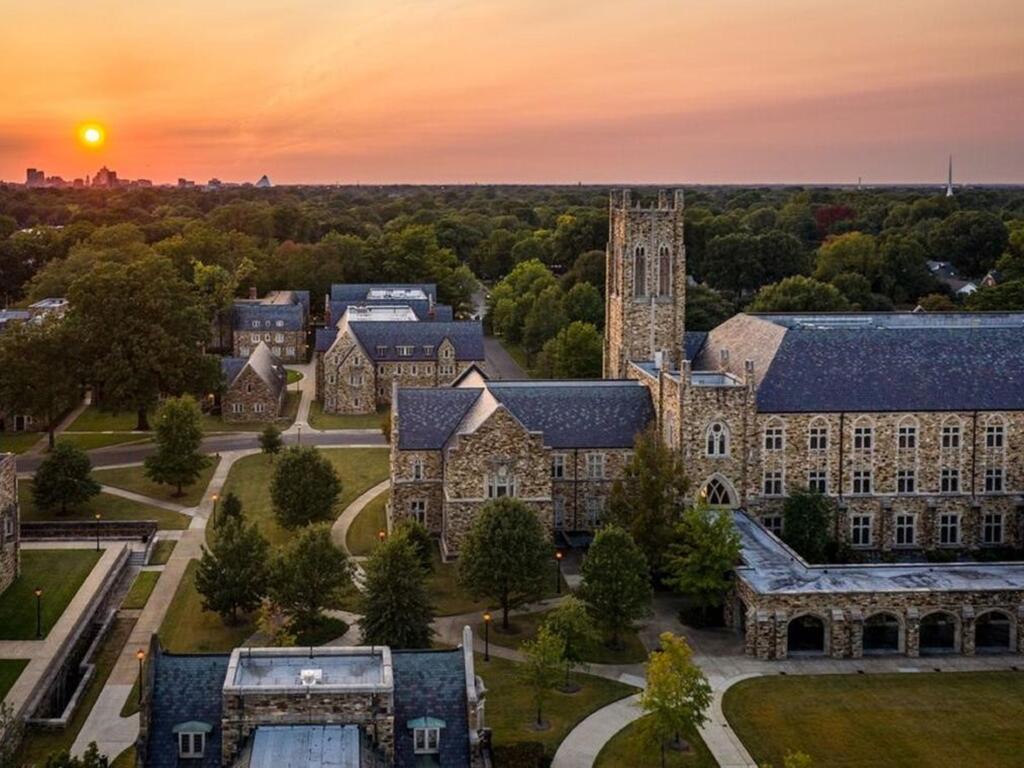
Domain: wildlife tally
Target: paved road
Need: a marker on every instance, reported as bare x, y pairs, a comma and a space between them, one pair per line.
500, 364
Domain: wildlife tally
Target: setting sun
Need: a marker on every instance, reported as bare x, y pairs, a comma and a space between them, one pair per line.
91, 135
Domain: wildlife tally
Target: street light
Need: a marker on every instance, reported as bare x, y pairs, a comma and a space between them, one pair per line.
381, 535
141, 656
97, 531
487, 635
558, 575
299, 427
39, 612
215, 497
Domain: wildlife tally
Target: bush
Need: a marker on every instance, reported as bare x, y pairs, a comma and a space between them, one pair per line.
523, 754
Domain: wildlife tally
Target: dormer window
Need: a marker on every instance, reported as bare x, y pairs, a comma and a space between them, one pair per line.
426, 735
255, 323
428, 349
382, 350
280, 323
404, 351
191, 738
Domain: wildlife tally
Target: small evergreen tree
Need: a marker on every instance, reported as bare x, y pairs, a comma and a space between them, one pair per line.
304, 487
420, 539
179, 434
270, 440
232, 575
576, 627
702, 557
91, 758
541, 668
806, 524
309, 576
616, 581
396, 606
64, 480
505, 555
273, 623
230, 507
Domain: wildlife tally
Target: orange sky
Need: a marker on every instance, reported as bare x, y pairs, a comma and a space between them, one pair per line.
516, 90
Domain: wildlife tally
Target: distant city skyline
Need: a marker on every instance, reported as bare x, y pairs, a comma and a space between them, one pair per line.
438, 91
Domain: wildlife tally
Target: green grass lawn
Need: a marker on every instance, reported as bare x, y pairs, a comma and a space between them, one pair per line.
9, 671
359, 469
511, 711
18, 442
87, 441
161, 552
92, 419
40, 743
524, 627
294, 376
109, 506
59, 573
882, 721
141, 589
134, 479
126, 759
320, 420
362, 534
187, 628
631, 747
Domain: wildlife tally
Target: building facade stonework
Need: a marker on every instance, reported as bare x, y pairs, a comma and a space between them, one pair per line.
10, 538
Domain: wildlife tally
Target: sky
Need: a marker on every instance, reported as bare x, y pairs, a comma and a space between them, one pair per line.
531, 91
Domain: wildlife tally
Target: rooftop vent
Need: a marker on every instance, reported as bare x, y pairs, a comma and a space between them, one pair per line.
311, 677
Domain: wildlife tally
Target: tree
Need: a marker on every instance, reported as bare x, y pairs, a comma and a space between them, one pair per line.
806, 524
650, 497
616, 581
179, 435
141, 328
45, 355
781, 255
419, 537
91, 758
571, 622
544, 319
230, 507
541, 667
232, 575
396, 606
702, 557
937, 302
734, 263
857, 291
588, 268
852, 252
706, 308
575, 353
905, 274
971, 240
506, 555
304, 487
799, 294
677, 695
270, 440
273, 622
9, 726
583, 302
514, 296
64, 479
1005, 297
309, 576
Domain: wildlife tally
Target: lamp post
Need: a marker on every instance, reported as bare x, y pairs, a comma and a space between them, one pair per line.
97, 531
381, 535
141, 656
299, 427
39, 611
558, 574
487, 635
215, 497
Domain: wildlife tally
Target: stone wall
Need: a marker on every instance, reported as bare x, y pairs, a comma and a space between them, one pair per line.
408, 489
10, 542
287, 346
251, 392
582, 497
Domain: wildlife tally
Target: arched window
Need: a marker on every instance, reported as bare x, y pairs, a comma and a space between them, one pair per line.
664, 271
717, 439
716, 493
640, 271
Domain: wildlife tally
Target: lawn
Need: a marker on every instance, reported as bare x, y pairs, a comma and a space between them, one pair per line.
524, 627
40, 743
320, 420
511, 711
59, 573
141, 589
134, 479
187, 628
161, 552
111, 507
87, 441
882, 721
18, 442
92, 419
630, 747
294, 376
9, 671
362, 534
359, 469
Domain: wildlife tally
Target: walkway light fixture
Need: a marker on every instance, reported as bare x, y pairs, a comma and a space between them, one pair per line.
97, 531
558, 575
381, 535
487, 635
215, 497
141, 656
38, 592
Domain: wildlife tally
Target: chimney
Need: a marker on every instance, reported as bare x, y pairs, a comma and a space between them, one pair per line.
659, 359
252, 292
723, 357
327, 310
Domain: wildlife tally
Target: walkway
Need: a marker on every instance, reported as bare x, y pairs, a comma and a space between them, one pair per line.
339, 530
148, 500
500, 364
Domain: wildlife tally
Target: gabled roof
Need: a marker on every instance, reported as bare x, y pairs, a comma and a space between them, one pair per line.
693, 342
263, 364
431, 685
185, 688
427, 417
380, 340
288, 307
325, 338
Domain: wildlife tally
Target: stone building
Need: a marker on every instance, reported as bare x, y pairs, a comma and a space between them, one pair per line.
255, 387
10, 551
320, 707
280, 320
557, 446
421, 298
373, 347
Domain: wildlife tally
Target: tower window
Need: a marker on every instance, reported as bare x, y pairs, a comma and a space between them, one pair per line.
640, 272
664, 271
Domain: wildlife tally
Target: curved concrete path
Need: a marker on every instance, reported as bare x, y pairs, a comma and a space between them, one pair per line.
339, 530
580, 748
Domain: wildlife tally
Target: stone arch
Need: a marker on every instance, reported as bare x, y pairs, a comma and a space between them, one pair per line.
939, 632
884, 633
807, 635
717, 439
952, 421
717, 491
995, 631
819, 422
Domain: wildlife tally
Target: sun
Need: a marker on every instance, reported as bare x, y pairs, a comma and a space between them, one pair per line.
91, 135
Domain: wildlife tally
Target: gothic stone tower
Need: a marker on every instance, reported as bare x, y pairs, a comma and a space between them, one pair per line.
645, 282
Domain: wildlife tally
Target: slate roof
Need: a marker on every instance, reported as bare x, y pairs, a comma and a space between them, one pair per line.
263, 362
692, 343
896, 362
230, 367
353, 292
431, 684
309, 746
571, 414
466, 336
185, 688
293, 313
324, 338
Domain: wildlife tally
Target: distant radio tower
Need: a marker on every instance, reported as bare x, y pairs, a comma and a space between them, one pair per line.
949, 182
